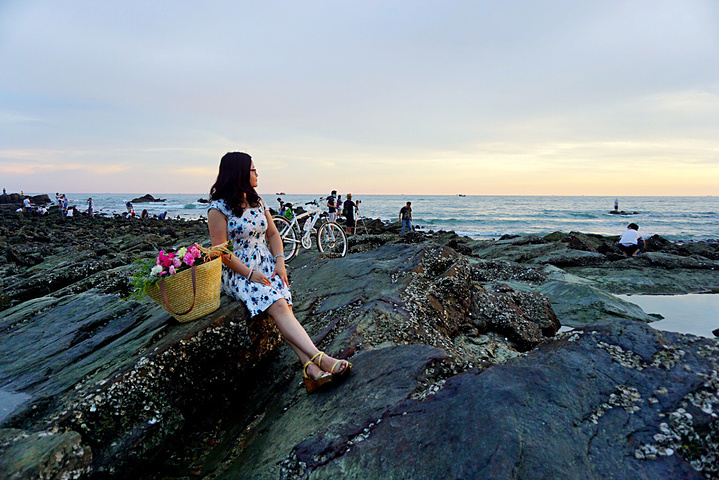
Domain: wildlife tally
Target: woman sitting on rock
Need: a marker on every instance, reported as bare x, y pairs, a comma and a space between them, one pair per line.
255, 273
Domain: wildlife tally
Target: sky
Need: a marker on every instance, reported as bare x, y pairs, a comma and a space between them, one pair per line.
475, 97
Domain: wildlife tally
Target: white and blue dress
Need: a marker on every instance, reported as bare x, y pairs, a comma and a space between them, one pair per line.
247, 234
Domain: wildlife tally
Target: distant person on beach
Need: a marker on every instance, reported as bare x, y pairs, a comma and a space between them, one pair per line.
4, 192
162, 216
90, 207
255, 271
631, 243
616, 204
405, 216
339, 204
348, 211
332, 206
63, 205
27, 206
145, 214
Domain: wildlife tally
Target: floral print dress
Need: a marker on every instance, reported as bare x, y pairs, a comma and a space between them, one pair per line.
247, 234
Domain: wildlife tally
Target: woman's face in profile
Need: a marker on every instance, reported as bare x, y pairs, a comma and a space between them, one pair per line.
253, 175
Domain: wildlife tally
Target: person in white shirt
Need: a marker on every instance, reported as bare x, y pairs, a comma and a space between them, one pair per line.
631, 242
27, 205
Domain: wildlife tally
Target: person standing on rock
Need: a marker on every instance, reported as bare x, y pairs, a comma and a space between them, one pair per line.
631, 242
348, 210
90, 207
405, 216
27, 206
616, 204
332, 206
255, 271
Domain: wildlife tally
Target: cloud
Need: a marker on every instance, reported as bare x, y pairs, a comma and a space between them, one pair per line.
373, 96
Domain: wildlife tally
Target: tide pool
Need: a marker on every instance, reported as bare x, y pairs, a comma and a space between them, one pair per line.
697, 314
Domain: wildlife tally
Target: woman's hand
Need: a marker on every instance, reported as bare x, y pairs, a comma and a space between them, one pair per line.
258, 277
281, 270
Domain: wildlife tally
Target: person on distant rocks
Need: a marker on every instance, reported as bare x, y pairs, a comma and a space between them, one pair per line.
255, 271
145, 214
4, 192
332, 206
162, 216
348, 211
90, 207
631, 242
27, 206
63, 205
405, 216
616, 204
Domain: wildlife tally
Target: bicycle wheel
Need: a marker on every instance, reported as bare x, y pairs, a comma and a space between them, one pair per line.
290, 242
331, 239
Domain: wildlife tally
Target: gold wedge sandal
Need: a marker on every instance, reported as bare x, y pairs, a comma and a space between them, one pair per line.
335, 371
320, 380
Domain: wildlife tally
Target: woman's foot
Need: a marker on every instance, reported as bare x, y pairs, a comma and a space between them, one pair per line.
338, 368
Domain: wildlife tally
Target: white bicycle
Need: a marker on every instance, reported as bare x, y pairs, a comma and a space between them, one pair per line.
331, 238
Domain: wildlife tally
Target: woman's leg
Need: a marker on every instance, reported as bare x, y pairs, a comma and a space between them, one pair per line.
296, 336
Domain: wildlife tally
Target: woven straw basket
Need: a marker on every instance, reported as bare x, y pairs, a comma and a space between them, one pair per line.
184, 301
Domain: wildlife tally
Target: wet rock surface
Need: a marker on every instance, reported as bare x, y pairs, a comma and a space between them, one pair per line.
459, 371
617, 400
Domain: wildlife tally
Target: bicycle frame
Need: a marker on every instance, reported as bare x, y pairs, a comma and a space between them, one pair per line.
331, 238
305, 232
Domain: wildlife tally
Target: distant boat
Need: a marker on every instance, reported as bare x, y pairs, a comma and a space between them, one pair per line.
281, 193
461, 195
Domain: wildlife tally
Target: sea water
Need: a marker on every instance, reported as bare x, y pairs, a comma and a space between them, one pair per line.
675, 218
693, 313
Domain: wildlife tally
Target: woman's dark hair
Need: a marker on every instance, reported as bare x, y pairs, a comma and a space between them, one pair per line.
233, 183
633, 226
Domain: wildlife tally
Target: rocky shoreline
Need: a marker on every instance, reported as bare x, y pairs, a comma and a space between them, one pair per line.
460, 370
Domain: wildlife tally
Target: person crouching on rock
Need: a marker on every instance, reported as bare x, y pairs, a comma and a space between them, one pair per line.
255, 272
631, 242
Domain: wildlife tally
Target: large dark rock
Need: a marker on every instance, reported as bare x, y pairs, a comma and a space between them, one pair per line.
423, 294
147, 198
666, 267
120, 373
111, 380
131, 393
11, 198
618, 400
